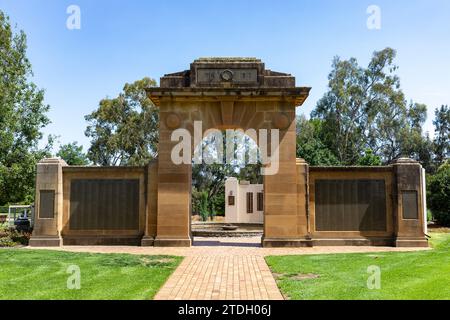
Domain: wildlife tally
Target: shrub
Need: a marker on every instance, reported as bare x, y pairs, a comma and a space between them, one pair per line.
438, 194
7, 242
9, 237
203, 206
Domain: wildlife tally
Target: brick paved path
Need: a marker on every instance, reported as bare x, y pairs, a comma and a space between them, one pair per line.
221, 278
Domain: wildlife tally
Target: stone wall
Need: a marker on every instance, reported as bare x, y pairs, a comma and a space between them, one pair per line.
334, 206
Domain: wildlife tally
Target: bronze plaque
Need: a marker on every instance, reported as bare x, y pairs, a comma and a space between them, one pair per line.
350, 205
46, 204
409, 205
233, 75
104, 204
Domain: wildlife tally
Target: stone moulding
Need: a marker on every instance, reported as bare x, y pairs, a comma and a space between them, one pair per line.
297, 95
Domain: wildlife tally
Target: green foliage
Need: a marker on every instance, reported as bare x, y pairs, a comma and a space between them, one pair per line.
7, 243
438, 194
369, 159
124, 130
442, 134
73, 154
9, 237
22, 116
201, 204
365, 108
309, 143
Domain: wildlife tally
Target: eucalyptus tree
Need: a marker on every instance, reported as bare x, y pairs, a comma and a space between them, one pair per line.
23, 114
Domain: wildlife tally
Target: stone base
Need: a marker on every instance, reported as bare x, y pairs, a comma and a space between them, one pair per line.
356, 242
174, 242
411, 243
147, 242
45, 241
286, 243
101, 241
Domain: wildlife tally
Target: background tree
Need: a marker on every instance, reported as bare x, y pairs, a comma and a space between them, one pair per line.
124, 130
309, 143
438, 194
365, 108
369, 159
23, 114
73, 154
442, 134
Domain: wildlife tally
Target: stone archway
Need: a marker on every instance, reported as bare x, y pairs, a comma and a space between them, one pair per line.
303, 206
226, 93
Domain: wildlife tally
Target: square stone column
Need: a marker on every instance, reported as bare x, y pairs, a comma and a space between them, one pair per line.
280, 193
409, 215
48, 204
286, 213
174, 192
151, 204
303, 221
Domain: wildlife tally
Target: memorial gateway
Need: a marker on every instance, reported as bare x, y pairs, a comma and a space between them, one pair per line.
303, 205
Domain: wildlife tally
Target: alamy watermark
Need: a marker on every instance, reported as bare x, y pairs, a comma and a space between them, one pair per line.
374, 19
74, 280
374, 279
73, 21
182, 152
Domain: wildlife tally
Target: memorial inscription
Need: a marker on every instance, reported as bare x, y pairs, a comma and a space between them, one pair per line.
227, 75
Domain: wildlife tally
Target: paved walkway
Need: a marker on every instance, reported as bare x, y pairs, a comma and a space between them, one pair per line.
227, 247
224, 268
221, 278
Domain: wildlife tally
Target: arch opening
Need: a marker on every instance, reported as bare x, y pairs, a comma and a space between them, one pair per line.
227, 189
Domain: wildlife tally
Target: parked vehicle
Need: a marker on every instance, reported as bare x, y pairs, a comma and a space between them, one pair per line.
23, 224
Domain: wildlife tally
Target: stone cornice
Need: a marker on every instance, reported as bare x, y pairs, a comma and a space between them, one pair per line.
297, 94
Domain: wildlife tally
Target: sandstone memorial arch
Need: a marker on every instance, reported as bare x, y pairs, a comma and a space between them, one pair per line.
303, 205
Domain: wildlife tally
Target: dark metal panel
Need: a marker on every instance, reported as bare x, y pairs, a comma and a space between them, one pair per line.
46, 204
409, 205
260, 201
104, 204
350, 205
249, 202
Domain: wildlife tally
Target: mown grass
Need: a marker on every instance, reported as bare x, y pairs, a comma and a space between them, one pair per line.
43, 275
404, 275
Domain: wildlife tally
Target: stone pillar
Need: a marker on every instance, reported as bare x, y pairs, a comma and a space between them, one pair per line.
280, 193
48, 204
408, 201
151, 204
303, 224
174, 189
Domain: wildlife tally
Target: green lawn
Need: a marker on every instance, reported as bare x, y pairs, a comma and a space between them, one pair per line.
408, 275
38, 274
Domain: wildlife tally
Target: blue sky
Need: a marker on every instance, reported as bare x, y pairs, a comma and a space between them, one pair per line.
122, 41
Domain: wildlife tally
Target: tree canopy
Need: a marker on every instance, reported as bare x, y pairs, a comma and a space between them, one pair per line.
73, 154
124, 130
365, 109
23, 114
442, 134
